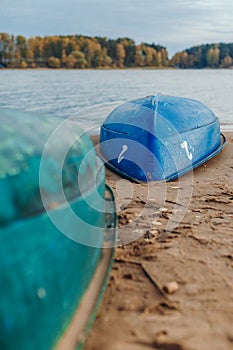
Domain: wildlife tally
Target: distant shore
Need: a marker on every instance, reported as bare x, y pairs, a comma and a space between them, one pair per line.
111, 68
80, 51
97, 68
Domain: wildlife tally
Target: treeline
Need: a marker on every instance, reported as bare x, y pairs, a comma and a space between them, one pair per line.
78, 51
205, 56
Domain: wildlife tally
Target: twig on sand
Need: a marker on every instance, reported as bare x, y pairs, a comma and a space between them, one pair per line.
153, 280
127, 261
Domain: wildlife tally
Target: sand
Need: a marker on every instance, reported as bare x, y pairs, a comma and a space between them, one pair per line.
171, 286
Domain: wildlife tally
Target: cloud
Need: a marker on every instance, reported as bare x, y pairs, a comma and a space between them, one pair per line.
175, 24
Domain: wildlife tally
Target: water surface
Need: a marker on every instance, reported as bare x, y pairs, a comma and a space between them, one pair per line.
68, 93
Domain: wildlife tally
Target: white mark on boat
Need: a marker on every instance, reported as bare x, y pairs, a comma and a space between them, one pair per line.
184, 145
41, 293
121, 155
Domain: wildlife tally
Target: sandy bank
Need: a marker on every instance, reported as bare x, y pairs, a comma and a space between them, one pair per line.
179, 232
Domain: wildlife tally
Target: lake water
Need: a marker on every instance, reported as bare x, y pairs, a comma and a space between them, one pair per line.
89, 95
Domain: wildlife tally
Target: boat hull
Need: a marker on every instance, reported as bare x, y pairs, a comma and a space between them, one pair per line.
55, 224
159, 151
44, 278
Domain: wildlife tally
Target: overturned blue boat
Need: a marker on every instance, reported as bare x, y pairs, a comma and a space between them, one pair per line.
159, 137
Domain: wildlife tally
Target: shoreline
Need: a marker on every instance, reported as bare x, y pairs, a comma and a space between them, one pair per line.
116, 68
87, 69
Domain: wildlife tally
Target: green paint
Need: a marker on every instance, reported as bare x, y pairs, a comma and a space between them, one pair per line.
44, 274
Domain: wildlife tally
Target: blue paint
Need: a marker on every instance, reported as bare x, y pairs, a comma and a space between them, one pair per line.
165, 137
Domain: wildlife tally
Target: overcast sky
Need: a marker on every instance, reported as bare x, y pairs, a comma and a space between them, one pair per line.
176, 24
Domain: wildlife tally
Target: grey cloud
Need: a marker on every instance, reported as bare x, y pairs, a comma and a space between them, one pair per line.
175, 24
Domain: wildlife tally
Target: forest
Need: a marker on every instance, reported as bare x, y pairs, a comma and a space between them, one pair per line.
78, 51
205, 56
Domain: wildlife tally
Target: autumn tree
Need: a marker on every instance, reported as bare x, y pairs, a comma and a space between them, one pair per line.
91, 51
70, 61
213, 57
21, 48
80, 61
54, 62
164, 57
120, 55
130, 49
150, 56
158, 59
30, 51
226, 62
23, 64
7, 46
139, 56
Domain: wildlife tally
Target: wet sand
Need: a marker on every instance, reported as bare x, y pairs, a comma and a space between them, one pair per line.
171, 286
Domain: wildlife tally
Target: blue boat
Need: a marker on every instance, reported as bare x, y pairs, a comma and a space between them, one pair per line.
159, 137
56, 219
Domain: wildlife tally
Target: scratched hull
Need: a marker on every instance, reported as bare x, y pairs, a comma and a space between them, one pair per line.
159, 137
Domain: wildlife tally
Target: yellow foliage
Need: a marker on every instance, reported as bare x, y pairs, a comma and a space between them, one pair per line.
23, 65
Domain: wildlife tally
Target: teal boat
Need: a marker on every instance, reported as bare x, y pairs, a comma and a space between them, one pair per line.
57, 232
